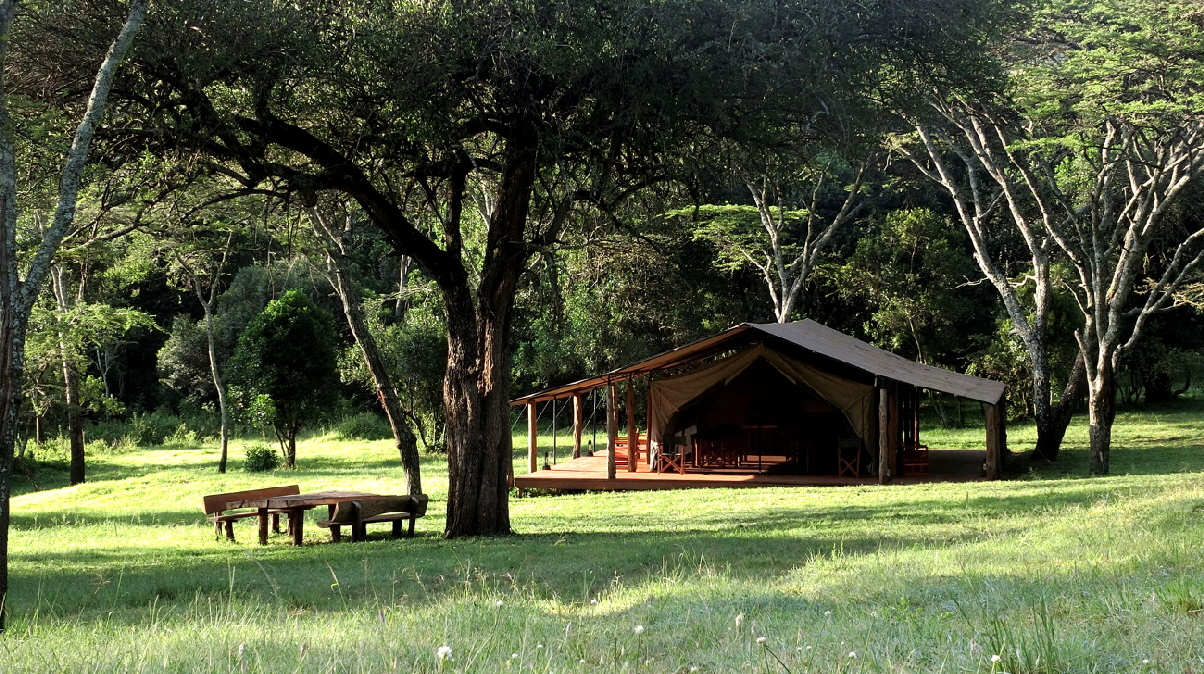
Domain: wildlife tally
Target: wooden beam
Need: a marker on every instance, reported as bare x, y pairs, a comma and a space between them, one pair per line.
612, 427
532, 438
578, 423
633, 431
883, 435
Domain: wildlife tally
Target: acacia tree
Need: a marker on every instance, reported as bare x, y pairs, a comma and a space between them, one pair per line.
17, 294
1100, 134
786, 244
401, 108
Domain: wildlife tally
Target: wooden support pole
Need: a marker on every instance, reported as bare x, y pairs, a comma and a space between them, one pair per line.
893, 449
532, 438
612, 427
633, 431
883, 436
578, 423
996, 439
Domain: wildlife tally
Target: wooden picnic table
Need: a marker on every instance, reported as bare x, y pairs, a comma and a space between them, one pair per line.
296, 505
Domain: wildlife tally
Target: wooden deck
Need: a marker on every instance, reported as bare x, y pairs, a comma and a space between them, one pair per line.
589, 473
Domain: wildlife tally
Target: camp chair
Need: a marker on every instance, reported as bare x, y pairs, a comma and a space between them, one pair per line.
672, 455
848, 457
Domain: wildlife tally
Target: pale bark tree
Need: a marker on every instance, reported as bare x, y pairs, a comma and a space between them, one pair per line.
967, 155
205, 285
17, 293
788, 257
1106, 232
1100, 134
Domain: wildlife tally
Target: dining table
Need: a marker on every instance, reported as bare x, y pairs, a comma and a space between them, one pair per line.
296, 505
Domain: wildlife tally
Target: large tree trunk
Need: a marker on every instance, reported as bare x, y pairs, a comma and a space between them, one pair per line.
479, 448
477, 385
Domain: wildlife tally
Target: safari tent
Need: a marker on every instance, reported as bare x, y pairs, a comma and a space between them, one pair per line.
773, 399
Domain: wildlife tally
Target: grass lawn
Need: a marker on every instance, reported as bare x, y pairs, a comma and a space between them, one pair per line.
1050, 571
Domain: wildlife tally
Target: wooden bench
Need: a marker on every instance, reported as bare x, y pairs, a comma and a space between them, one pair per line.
217, 505
359, 513
362, 512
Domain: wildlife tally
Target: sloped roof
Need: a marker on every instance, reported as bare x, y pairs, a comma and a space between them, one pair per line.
805, 334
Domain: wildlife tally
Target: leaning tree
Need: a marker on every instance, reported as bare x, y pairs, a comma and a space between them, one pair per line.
417, 110
21, 280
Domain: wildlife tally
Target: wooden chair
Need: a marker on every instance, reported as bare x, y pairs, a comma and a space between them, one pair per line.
848, 457
915, 459
672, 455
216, 506
360, 513
623, 451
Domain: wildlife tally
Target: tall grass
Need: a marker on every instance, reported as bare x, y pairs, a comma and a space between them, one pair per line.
1053, 573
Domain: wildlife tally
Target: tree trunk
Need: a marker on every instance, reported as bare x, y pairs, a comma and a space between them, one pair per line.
1052, 430
478, 434
1101, 408
75, 422
403, 437
218, 386
386, 393
477, 385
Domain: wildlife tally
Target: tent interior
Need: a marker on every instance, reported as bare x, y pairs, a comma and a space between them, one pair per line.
764, 414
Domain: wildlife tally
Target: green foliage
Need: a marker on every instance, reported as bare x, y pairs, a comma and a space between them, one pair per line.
285, 365
364, 426
261, 459
910, 274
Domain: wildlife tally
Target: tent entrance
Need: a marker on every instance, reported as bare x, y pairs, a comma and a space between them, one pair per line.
761, 420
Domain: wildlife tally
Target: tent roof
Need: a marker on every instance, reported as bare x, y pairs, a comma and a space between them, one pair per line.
805, 334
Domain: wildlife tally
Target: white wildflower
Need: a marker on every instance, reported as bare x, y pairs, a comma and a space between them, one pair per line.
996, 658
760, 641
639, 629
499, 602
443, 653
853, 655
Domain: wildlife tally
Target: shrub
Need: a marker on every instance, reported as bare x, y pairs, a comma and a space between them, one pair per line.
364, 426
261, 459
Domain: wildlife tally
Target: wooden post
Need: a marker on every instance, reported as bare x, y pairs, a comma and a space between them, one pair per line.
883, 435
578, 423
612, 427
893, 449
996, 439
648, 420
633, 431
532, 438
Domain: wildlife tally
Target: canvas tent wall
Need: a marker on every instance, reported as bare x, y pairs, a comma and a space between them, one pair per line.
855, 401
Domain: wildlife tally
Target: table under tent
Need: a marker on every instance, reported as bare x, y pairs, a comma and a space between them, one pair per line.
795, 403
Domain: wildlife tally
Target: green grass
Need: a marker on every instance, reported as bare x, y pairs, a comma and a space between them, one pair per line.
1055, 572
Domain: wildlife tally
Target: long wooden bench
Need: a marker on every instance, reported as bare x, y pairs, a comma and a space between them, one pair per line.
360, 513
216, 506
